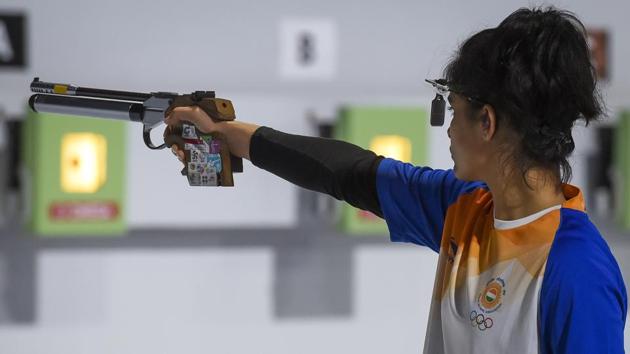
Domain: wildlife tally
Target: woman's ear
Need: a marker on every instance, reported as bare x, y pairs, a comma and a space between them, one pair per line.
488, 122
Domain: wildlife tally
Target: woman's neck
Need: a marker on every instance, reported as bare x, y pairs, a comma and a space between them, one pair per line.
514, 199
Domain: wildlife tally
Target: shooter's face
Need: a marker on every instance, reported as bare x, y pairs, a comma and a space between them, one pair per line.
467, 147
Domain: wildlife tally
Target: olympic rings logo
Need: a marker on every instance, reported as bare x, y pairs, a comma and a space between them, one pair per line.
480, 321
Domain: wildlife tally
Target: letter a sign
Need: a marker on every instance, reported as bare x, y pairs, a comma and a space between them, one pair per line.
12, 41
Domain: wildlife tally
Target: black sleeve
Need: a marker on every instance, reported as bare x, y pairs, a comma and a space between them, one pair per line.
340, 169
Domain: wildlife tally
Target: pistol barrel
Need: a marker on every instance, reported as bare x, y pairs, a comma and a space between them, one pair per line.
87, 107
71, 90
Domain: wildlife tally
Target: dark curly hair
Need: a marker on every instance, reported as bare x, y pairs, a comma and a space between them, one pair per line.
535, 70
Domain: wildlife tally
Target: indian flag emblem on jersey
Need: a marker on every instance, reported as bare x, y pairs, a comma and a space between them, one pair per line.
490, 297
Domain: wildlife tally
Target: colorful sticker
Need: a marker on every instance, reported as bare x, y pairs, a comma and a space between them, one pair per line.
189, 131
194, 141
207, 138
205, 165
215, 161
209, 177
202, 167
200, 147
197, 156
215, 147
194, 179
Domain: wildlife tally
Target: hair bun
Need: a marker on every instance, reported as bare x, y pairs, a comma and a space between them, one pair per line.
549, 143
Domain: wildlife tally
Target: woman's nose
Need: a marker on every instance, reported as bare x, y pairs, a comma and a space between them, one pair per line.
448, 132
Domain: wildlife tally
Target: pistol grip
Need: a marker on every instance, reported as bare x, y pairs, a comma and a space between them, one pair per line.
208, 161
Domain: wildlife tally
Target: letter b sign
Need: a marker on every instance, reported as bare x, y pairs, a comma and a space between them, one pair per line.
12, 41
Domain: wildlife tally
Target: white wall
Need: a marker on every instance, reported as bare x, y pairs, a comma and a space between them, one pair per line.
179, 301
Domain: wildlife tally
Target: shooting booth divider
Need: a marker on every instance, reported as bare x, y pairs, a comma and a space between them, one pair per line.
75, 175
621, 179
4, 170
396, 132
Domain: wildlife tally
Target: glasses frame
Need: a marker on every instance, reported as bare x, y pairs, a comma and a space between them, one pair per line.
438, 104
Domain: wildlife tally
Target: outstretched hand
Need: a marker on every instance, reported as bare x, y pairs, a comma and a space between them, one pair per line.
191, 114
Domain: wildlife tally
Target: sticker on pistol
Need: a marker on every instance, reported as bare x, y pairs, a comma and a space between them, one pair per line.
206, 138
204, 147
209, 178
215, 161
195, 167
197, 156
215, 147
201, 167
194, 141
188, 131
192, 168
200, 147
194, 179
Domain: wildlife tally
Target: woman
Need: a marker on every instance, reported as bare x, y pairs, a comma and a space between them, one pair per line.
521, 267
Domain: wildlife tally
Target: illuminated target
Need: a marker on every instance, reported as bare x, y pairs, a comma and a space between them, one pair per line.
83, 162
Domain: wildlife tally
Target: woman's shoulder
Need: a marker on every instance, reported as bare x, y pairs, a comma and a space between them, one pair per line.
579, 252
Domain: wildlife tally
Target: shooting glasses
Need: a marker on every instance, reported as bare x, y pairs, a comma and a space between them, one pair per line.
438, 105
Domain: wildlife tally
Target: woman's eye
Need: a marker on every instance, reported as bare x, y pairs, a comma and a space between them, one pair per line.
450, 108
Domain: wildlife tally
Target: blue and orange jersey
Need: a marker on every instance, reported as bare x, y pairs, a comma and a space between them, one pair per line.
546, 283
